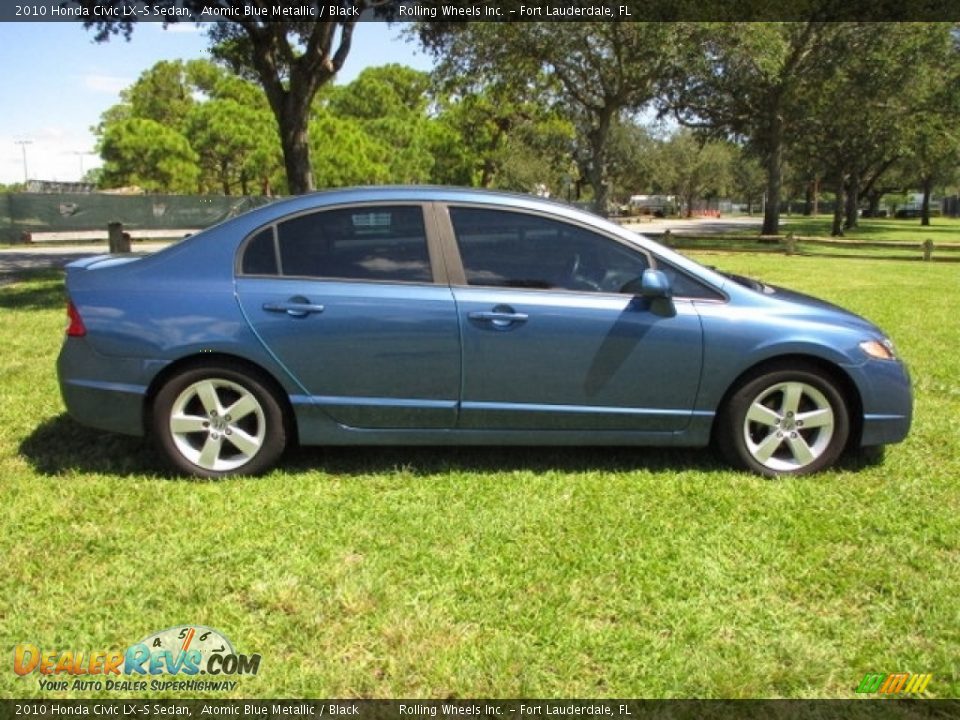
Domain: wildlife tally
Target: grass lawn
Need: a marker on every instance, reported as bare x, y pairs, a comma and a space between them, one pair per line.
887, 233
500, 572
941, 229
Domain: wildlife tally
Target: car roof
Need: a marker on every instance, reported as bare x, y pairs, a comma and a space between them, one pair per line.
421, 193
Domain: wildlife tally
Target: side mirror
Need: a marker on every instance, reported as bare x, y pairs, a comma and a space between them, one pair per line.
655, 284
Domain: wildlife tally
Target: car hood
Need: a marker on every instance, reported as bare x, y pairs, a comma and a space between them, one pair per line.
800, 304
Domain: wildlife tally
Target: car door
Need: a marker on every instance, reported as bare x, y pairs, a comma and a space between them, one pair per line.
550, 341
347, 300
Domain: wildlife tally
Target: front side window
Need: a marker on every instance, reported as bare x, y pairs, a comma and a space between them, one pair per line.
510, 249
685, 286
364, 243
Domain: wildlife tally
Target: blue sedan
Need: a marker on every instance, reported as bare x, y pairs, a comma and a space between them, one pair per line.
447, 316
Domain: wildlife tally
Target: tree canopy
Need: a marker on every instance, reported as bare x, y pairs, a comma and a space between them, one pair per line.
581, 110
290, 60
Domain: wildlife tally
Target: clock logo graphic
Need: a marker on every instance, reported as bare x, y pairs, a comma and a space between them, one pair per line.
184, 638
191, 650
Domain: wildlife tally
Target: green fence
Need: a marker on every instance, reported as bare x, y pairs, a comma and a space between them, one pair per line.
37, 212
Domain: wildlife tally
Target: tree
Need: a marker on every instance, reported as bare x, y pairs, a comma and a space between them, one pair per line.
391, 90
692, 168
504, 137
598, 71
145, 153
345, 154
389, 103
225, 120
747, 179
934, 158
745, 80
233, 142
291, 60
162, 93
860, 118
634, 160
933, 153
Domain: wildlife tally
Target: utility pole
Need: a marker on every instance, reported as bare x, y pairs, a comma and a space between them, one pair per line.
23, 146
80, 154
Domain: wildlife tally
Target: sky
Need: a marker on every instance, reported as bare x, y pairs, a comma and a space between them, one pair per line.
58, 81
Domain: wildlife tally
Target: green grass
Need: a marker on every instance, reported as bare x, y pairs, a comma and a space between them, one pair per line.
941, 229
889, 234
500, 572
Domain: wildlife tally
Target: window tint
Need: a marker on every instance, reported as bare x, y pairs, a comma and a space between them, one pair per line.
368, 243
685, 286
259, 256
510, 249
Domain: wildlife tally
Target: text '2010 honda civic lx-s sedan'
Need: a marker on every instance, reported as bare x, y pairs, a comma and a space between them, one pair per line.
445, 316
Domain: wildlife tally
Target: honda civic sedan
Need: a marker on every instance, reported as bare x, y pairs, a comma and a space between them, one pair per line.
438, 316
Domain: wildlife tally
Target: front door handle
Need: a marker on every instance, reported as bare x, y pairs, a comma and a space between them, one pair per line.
502, 317
294, 307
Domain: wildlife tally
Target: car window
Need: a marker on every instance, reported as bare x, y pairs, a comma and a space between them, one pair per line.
682, 285
260, 256
362, 243
511, 249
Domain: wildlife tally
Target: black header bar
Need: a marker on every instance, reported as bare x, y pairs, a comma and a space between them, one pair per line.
168, 11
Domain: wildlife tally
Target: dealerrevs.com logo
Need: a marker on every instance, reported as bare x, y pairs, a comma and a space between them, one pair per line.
187, 651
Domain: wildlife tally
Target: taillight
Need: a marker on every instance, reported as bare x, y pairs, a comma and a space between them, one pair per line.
75, 328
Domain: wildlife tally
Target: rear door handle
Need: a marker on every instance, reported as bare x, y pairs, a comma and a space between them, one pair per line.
294, 307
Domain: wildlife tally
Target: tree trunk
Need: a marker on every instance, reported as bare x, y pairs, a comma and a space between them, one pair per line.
225, 177
852, 202
291, 108
816, 196
597, 176
296, 155
925, 203
774, 170
489, 164
808, 200
873, 204
837, 229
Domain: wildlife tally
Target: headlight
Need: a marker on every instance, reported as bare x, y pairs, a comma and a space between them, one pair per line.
879, 349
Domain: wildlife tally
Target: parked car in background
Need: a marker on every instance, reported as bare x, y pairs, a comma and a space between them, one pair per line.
413, 315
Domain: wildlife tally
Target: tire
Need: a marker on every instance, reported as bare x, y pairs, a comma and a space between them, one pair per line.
785, 422
218, 421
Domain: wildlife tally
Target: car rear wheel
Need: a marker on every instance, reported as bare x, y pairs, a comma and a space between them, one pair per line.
218, 421
785, 422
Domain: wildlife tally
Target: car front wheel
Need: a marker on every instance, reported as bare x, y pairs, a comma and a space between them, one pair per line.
785, 422
218, 421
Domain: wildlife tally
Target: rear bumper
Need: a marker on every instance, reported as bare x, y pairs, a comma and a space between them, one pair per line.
101, 392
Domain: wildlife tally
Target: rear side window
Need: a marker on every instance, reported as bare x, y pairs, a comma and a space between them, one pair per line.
260, 255
365, 243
